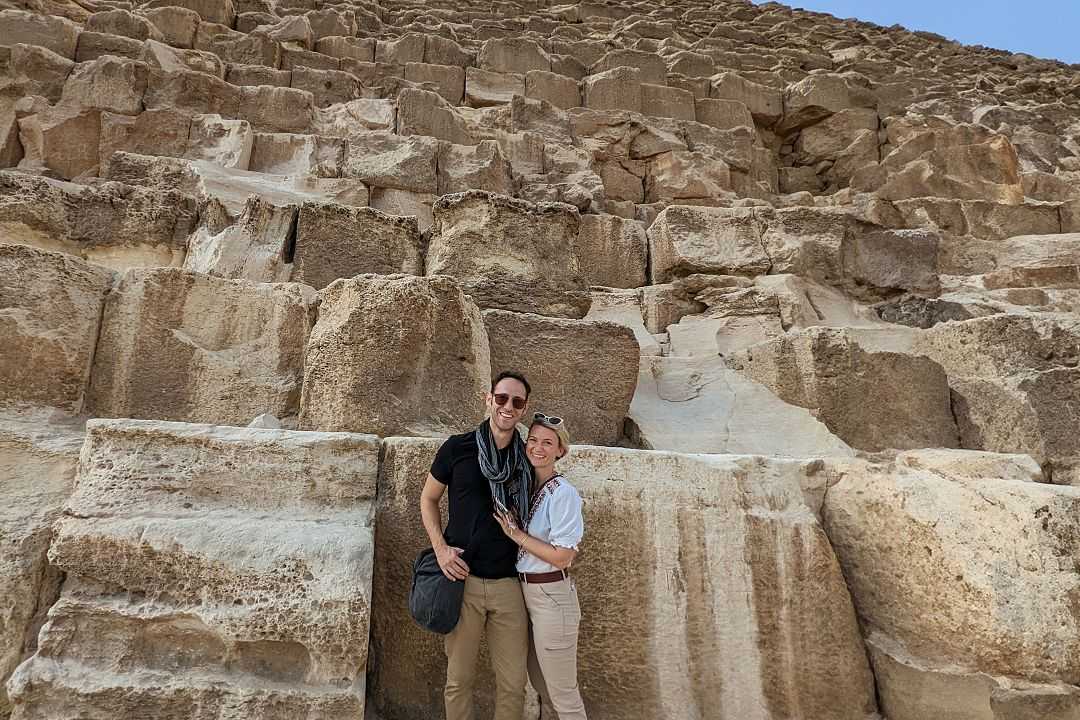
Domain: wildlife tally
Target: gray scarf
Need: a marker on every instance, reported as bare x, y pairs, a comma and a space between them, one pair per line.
510, 482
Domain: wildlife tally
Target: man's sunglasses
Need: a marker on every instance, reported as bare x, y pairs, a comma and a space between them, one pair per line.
547, 419
517, 401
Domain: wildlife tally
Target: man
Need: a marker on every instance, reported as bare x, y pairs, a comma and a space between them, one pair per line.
479, 467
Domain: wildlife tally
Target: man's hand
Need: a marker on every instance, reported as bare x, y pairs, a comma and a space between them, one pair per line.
450, 561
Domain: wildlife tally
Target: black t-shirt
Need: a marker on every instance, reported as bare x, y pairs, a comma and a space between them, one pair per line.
471, 525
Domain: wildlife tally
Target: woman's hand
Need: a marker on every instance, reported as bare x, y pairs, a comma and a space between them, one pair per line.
509, 526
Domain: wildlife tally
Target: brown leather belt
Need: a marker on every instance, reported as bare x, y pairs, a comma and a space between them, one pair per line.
540, 578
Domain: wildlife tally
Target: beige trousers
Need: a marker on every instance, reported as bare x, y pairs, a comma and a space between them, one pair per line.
491, 608
554, 616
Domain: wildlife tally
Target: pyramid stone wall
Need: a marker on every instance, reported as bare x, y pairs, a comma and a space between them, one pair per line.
805, 289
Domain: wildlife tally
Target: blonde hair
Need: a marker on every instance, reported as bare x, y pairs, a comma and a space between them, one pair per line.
559, 429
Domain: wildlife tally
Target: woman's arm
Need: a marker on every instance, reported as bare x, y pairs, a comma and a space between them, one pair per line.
560, 557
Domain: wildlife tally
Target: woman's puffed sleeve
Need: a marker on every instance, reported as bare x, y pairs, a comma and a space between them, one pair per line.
567, 523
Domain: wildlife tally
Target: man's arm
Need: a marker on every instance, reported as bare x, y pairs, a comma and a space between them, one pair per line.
449, 558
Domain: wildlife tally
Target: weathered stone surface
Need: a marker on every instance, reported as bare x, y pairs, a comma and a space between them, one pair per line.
509, 254
176, 24
50, 308
112, 224
449, 80
396, 354
612, 251
253, 248
383, 159
765, 103
184, 346
968, 572
220, 141
559, 357
872, 399
559, 90
484, 88
108, 83
55, 33
615, 89
754, 643
474, 167
63, 140
512, 55
685, 240
334, 241
355, 117
37, 472
687, 176
232, 564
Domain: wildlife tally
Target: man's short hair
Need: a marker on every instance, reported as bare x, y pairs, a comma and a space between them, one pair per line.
514, 375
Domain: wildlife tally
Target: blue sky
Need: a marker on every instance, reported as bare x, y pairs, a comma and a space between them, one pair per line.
1044, 28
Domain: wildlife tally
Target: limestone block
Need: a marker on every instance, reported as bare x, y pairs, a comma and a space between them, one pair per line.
177, 25
277, 109
615, 89
49, 31
94, 45
163, 57
355, 117
684, 175
50, 307
178, 345
1037, 261
484, 88
829, 138
253, 248
1013, 381
386, 160
396, 354
870, 398
222, 12
362, 49
112, 224
932, 558
254, 49
37, 472
816, 97
623, 307
327, 87
651, 68
509, 254
765, 103
512, 55
559, 90
735, 146
293, 29
692, 64
753, 620
240, 74
562, 359
402, 51
334, 241
330, 22
242, 555
194, 92
722, 114
667, 102
449, 80
402, 202
62, 139
293, 154
612, 251
108, 83
893, 260
221, 141
444, 51
123, 22
293, 58
39, 71
474, 167
420, 112
685, 240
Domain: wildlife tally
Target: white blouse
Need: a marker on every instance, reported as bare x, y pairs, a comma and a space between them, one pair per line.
554, 517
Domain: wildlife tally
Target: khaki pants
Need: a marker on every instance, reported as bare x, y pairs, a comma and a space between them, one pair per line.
554, 616
493, 608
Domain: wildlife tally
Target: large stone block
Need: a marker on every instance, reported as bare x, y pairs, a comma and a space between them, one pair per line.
396, 354
211, 571
110, 224
687, 239
870, 397
277, 109
422, 112
612, 251
512, 55
255, 247
49, 31
965, 572
50, 308
737, 603
484, 88
335, 241
194, 92
383, 159
765, 103
108, 83
160, 132
37, 472
509, 254
1014, 381
615, 89
474, 167
561, 359
183, 346
449, 80
63, 140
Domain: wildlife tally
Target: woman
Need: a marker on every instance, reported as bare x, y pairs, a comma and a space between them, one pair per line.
548, 546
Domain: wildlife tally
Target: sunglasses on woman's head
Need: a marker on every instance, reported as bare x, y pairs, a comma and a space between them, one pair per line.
548, 419
516, 401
